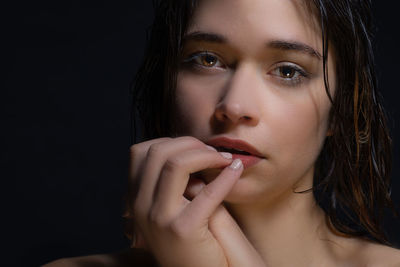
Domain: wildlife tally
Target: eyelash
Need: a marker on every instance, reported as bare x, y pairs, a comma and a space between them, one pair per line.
298, 77
191, 60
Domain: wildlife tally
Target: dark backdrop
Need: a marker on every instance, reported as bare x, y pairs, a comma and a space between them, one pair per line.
66, 125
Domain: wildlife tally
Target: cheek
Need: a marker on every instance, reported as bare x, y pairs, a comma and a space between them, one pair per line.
303, 120
195, 104
299, 126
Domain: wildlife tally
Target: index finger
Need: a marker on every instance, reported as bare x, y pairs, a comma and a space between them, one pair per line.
137, 153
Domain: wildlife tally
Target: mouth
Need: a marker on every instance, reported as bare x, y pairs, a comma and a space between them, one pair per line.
238, 148
231, 150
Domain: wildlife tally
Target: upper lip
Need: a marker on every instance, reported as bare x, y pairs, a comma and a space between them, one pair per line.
234, 144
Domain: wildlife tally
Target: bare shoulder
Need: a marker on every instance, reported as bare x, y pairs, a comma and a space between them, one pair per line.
131, 257
377, 255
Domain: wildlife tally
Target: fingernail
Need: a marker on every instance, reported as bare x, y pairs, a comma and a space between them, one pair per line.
226, 155
211, 148
236, 164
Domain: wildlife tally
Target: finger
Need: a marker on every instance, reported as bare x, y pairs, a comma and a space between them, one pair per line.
156, 156
137, 155
193, 188
175, 175
237, 247
200, 209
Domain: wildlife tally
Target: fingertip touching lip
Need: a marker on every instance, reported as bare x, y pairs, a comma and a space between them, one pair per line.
234, 144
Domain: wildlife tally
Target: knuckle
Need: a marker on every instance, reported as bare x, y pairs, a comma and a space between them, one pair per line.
191, 139
172, 164
135, 150
209, 193
154, 150
142, 147
156, 219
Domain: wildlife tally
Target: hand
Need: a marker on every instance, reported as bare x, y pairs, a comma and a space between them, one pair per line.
177, 231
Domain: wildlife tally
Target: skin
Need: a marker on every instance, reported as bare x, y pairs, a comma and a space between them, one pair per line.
285, 119
191, 202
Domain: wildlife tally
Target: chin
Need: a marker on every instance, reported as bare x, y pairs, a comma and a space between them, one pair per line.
250, 189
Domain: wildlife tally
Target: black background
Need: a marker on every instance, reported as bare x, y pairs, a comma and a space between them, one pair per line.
66, 126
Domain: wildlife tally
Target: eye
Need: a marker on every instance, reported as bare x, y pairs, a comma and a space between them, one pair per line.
204, 59
289, 74
208, 60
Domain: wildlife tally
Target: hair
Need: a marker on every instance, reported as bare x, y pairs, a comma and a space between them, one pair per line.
352, 174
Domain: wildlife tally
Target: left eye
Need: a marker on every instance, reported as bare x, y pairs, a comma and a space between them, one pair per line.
208, 60
204, 59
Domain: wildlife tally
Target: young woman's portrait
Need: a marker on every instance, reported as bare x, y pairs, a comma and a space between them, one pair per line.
259, 138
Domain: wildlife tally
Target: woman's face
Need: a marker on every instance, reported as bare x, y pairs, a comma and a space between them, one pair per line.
252, 70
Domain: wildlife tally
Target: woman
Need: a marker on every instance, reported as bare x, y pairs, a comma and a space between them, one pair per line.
276, 154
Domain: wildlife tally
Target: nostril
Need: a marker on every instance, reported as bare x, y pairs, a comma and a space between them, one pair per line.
235, 113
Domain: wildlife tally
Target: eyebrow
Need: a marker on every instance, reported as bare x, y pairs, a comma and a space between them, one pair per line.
295, 46
274, 44
205, 37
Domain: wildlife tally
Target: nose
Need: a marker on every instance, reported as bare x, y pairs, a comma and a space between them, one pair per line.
238, 103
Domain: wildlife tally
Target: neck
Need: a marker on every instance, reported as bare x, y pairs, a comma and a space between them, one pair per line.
288, 232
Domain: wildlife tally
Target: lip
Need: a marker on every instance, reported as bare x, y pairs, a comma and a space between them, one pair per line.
234, 144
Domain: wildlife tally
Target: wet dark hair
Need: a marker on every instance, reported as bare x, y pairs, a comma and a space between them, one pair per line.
351, 181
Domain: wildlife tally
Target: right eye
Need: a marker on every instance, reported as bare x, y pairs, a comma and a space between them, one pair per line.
205, 60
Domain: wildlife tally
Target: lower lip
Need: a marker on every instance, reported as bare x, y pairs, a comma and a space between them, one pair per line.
247, 160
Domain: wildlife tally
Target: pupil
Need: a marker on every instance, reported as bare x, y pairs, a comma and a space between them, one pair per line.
287, 72
209, 60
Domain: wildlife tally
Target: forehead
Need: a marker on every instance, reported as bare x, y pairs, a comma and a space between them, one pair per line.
251, 22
